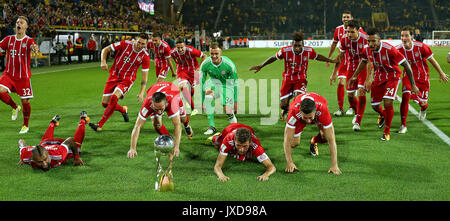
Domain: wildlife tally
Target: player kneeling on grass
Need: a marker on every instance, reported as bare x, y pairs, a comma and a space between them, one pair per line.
240, 141
162, 97
53, 152
309, 108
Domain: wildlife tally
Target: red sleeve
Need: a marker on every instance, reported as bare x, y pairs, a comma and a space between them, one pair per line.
325, 117
174, 106
293, 121
146, 63
396, 56
4, 43
25, 154
196, 52
426, 52
280, 55
312, 54
225, 147
342, 46
167, 53
118, 45
364, 55
336, 35
146, 110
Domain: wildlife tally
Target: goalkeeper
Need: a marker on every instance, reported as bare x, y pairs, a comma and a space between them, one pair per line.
222, 83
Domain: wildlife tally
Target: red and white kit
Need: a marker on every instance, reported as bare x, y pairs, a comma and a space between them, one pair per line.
338, 33
122, 73
228, 147
353, 51
186, 63
417, 57
17, 75
295, 67
218, 139
387, 73
162, 56
174, 106
322, 118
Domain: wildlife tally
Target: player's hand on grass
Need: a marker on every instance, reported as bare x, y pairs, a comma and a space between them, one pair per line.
104, 66
290, 168
78, 162
255, 68
131, 153
223, 178
335, 170
263, 178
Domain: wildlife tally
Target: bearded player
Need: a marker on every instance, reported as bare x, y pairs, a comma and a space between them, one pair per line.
239, 141
129, 55
417, 54
53, 152
309, 108
162, 97
17, 75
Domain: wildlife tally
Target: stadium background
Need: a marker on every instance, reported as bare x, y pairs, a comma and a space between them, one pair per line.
409, 168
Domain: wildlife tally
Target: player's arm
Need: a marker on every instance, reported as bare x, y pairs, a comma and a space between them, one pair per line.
269, 60
203, 57
362, 64
442, 76
330, 137
218, 167
369, 72
287, 144
333, 76
21, 144
104, 55
332, 48
134, 137
409, 72
70, 142
270, 169
169, 61
177, 134
141, 94
323, 58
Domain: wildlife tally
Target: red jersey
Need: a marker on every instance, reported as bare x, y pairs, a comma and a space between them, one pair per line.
186, 62
295, 65
417, 57
127, 60
162, 53
322, 117
18, 56
353, 49
172, 93
58, 154
338, 33
385, 61
255, 150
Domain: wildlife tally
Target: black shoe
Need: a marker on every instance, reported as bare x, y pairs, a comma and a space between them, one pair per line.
84, 116
313, 148
380, 121
56, 119
189, 132
95, 127
125, 114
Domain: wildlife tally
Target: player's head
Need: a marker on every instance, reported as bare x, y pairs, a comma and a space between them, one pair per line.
352, 29
308, 110
141, 41
297, 41
407, 35
21, 24
242, 140
373, 39
346, 16
159, 102
179, 44
215, 52
40, 158
156, 38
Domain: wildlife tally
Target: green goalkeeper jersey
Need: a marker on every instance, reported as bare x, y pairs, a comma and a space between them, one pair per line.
225, 73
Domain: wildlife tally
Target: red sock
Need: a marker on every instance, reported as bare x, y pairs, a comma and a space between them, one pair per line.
104, 105
361, 109
389, 115
353, 104
380, 110
424, 107
404, 108
319, 139
7, 99
49, 132
109, 110
341, 95
187, 121
119, 108
79, 133
26, 113
162, 130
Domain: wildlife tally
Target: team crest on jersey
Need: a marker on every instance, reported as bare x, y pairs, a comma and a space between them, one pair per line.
318, 113
24, 45
223, 72
384, 57
360, 45
139, 59
304, 58
417, 54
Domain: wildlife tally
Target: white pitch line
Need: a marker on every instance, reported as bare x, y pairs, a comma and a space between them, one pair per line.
59, 70
430, 125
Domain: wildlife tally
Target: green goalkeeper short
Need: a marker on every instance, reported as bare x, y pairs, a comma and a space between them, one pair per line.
225, 91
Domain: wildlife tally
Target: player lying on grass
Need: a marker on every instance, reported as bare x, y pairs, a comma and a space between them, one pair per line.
309, 108
53, 152
239, 141
162, 97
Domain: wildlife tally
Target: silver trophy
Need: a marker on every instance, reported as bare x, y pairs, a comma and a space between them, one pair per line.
163, 146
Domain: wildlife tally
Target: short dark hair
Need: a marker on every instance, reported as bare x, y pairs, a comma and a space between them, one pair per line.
373, 31
214, 45
243, 135
307, 106
347, 12
408, 28
142, 35
158, 97
298, 36
157, 34
38, 151
179, 40
353, 23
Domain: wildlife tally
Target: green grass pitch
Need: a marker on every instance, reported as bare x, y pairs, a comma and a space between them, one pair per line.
410, 167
